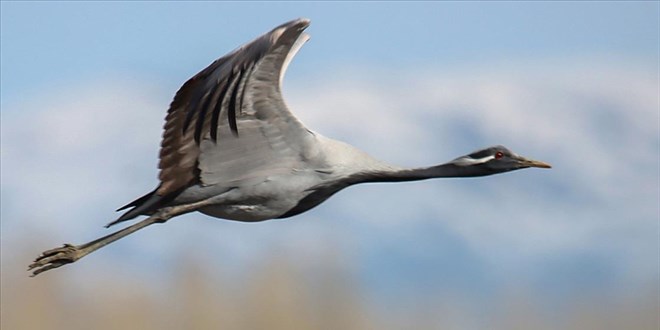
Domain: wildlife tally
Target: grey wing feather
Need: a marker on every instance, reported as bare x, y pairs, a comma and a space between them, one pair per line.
270, 139
219, 99
229, 121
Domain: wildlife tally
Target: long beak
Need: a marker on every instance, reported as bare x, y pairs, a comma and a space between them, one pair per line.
533, 163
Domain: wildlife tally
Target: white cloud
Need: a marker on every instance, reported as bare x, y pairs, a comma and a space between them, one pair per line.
71, 151
597, 122
80, 151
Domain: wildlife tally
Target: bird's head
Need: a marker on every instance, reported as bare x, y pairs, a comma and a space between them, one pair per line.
496, 159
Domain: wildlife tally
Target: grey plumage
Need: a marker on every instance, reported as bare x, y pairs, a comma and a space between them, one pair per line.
232, 149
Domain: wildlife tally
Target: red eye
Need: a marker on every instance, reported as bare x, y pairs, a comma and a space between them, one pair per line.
499, 155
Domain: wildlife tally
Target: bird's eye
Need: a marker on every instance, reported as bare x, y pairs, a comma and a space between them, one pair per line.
499, 155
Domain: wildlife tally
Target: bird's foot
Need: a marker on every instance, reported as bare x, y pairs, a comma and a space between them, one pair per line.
55, 258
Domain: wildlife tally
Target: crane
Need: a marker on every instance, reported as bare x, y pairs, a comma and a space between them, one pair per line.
231, 149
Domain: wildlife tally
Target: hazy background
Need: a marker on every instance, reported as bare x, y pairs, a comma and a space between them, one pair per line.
85, 88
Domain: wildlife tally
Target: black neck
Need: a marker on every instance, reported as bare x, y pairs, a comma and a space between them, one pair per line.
448, 170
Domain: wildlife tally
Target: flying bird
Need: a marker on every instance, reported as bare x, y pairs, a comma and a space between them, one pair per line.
231, 149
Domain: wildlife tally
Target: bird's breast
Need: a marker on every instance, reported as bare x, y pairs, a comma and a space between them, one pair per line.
274, 197
242, 212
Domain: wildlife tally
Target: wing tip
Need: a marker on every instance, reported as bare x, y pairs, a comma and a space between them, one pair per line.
300, 22
297, 25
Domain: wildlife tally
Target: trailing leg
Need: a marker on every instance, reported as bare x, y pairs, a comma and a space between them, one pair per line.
69, 253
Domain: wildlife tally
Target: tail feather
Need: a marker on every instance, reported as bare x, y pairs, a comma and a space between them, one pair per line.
140, 206
137, 201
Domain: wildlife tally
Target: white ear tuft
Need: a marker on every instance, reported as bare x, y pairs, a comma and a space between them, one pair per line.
468, 161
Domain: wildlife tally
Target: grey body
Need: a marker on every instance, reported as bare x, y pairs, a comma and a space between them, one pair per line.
241, 146
231, 149
272, 192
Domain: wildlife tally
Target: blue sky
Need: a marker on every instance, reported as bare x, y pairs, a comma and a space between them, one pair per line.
85, 86
47, 41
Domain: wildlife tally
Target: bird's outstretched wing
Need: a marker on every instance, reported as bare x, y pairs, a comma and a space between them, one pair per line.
229, 122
